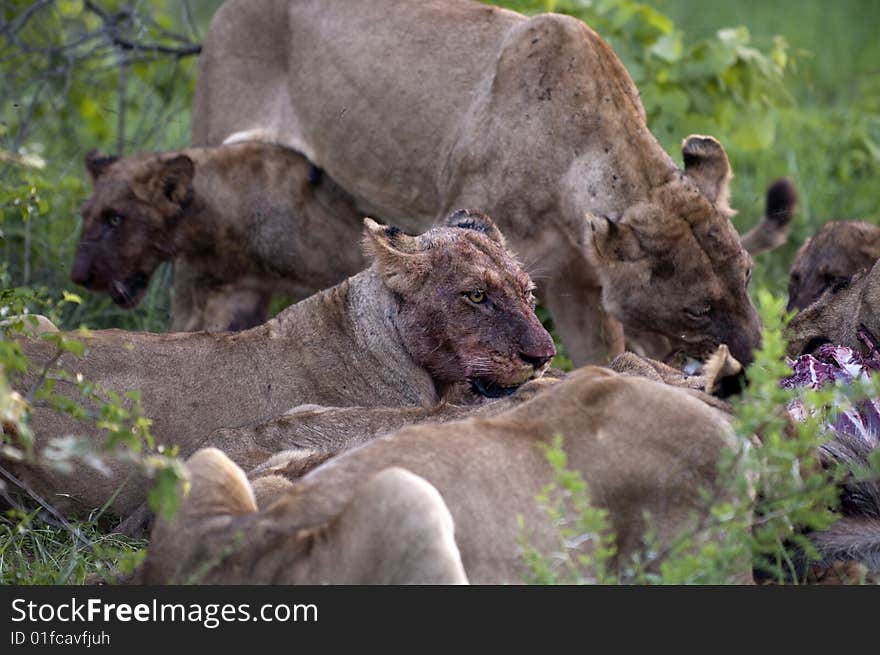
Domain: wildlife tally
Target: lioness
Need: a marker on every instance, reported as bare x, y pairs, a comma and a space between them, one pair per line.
452, 103
294, 444
830, 257
843, 315
249, 221
487, 470
448, 309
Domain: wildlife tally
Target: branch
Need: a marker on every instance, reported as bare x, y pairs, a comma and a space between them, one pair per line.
111, 25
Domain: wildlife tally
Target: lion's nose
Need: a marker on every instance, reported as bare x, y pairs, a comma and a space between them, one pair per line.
82, 273
535, 362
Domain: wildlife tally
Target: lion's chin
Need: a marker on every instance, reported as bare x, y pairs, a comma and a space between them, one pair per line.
129, 293
491, 389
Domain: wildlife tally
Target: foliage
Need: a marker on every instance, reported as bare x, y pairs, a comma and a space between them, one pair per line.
770, 491
34, 551
78, 75
41, 546
717, 83
578, 525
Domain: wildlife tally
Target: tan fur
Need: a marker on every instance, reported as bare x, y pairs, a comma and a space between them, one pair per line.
771, 232
252, 225
305, 437
355, 547
533, 120
401, 333
838, 316
721, 364
488, 471
830, 257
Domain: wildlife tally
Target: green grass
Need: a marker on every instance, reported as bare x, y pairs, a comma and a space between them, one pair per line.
35, 549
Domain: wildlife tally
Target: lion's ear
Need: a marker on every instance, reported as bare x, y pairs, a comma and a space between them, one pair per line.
705, 162
398, 255
97, 163
175, 180
723, 373
471, 219
615, 240
171, 182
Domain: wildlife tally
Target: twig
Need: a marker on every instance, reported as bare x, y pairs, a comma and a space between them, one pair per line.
54, 512
111, 22
42, 378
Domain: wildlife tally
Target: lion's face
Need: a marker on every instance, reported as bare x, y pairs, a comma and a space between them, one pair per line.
846, 315
674, 264
466, 311
125, 229
828, 259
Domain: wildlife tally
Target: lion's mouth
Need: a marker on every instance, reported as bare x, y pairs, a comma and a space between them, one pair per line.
491, 389
128, 294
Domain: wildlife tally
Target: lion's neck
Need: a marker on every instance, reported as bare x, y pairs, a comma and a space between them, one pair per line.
209, 230
354, 326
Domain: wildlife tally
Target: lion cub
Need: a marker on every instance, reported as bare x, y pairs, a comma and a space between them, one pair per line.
244, 222
831, 257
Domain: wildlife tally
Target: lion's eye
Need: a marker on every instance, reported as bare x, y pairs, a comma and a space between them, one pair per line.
114, 220
476, 296
748, 275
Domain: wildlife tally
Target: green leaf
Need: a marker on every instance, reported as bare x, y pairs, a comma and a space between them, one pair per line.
669, 48
71, 297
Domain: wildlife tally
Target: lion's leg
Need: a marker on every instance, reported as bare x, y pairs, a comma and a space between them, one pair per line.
186, 312
589, 334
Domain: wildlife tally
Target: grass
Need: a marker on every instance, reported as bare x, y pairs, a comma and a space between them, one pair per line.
826, 139
35, 549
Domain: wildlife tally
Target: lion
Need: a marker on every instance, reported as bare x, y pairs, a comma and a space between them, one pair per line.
292, 445
829, 258
233, 306
771, 232
533, 120
845, 315
250, 221
434, 314
488, 471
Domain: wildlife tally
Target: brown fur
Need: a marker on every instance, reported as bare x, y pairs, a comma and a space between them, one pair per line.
401, 333
533, 120
487, 470
711, 379
247, 224
838, 316
771, 232
829, 258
